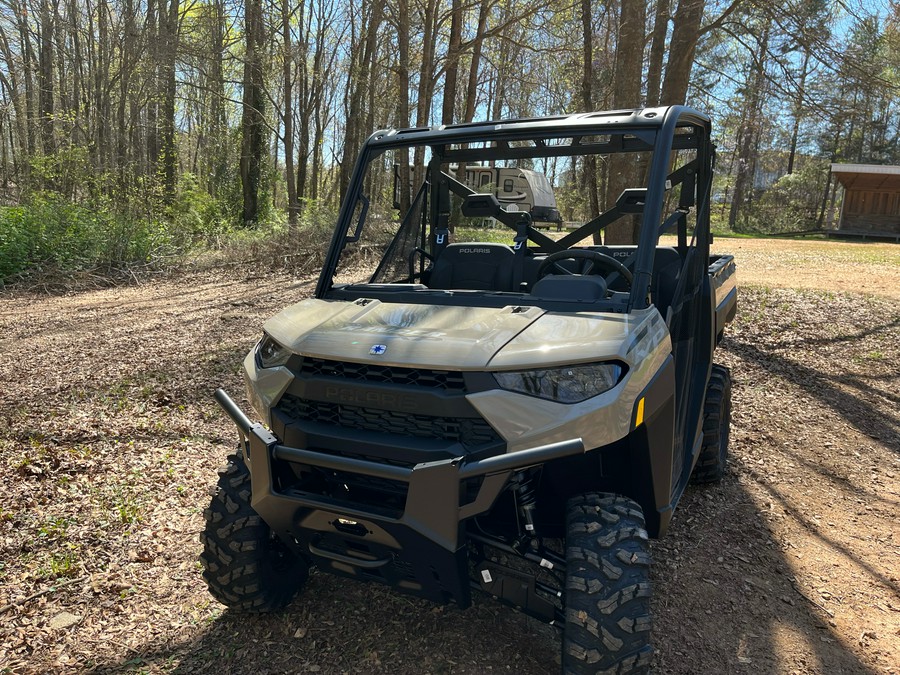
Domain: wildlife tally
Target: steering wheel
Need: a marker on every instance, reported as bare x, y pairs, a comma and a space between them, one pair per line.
587, 261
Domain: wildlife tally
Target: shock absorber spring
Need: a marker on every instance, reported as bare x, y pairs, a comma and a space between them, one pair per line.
526, 500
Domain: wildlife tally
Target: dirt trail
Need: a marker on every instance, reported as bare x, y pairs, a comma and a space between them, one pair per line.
109, 442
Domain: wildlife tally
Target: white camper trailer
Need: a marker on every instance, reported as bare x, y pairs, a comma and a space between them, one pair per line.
518, 190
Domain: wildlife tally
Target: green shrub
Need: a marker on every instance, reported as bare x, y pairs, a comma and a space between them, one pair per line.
51, 234
196, 217
15, 244
105, 234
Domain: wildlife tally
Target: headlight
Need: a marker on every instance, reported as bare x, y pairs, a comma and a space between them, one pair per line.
571, 384
270, 354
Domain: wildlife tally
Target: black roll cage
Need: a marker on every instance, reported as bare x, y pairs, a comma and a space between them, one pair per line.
660, 130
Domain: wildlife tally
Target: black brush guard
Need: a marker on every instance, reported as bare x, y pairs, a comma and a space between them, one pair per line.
423, 550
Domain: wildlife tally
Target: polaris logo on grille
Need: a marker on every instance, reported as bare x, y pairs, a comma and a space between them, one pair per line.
374, 399
378, 350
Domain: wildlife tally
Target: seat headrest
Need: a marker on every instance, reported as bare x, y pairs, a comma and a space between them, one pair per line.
457, 253
474, 266
589, 287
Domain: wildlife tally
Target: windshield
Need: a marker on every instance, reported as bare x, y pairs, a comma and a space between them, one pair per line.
399, 229
484, 215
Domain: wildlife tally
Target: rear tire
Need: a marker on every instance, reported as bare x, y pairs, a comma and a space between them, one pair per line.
713, 460
246, 567
607, 627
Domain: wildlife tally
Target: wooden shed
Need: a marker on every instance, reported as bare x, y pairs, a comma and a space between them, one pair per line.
871, 204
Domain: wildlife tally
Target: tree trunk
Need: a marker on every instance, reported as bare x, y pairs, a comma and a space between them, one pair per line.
154, 23
359, 82
402, 157
426, 71
624, 168
63, 83
587, 103
128, 58
27, 55
497, 97
101, 95
45, 75
253, 143
451, 73
426, 75
749, 131
21, 132
303, 141
657, 51
318, 110
288, 116
73, 22
685, 33
169, 50
219, 121
475, 65
798, 110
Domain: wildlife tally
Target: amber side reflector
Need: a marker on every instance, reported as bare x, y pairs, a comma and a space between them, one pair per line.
639, 418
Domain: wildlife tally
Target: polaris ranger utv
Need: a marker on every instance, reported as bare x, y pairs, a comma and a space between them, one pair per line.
462, 407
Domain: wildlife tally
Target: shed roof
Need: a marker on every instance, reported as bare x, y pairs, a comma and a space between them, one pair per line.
867, 176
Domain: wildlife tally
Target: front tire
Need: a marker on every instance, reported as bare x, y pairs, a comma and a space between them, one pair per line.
246, 567
607, 627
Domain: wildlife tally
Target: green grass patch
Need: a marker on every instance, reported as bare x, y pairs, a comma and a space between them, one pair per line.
63, 562
498, 235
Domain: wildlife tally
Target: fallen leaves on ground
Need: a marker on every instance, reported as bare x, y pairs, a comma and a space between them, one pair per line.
109, 442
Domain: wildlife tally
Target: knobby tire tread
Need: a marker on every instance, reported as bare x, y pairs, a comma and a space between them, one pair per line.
608, 623
244, 566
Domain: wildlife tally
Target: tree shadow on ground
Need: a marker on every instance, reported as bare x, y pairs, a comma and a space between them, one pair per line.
831, 389
726, 597
854, 337
340, 626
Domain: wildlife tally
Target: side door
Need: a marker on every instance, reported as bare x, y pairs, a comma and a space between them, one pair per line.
479, 179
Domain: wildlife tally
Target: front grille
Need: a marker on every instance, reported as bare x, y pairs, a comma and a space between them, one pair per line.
367, 372
467, 431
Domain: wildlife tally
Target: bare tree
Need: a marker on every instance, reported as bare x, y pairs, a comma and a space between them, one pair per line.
748, 133
359, 82
168, 54
685, 34
253, 141
624, 170
451, 70
45, 72
657, 50
288, 113
587, 102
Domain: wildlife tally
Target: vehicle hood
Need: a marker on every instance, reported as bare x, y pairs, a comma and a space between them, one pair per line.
449, 337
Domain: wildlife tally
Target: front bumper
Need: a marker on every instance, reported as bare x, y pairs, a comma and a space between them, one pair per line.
422, 549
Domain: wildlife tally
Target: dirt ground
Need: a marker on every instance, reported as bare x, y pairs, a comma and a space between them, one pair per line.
109, 441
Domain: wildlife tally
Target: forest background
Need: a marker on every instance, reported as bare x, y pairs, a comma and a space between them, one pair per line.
134, 133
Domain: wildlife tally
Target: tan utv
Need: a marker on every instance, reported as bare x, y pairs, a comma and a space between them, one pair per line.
466, 407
